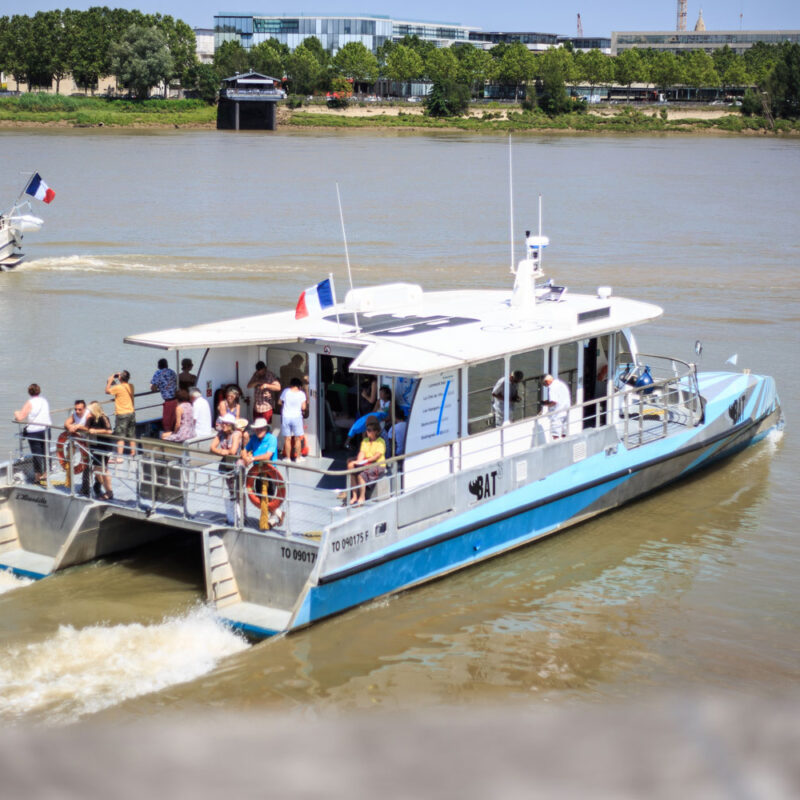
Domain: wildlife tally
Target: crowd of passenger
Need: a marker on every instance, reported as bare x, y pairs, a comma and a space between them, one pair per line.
186, 417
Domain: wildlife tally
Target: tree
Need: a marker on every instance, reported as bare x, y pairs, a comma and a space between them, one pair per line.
141, 59
403, 64
665, 71
354, 61
516, 66
760, 60
266, 59
698, 69
555, 68
596, 69
231, 59
629, 68
202, 80
447, 99
441, 66
314, 46
474, 66
304, 71
182, 47
783, 83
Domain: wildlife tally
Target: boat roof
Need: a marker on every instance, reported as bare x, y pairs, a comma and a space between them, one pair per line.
402, 330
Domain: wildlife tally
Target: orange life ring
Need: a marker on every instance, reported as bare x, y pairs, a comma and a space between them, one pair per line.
265, 471
61, 445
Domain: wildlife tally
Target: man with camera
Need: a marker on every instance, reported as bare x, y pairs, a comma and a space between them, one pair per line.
122, 391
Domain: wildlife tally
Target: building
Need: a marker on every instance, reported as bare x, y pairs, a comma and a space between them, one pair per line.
531, 39
248, 102
332, 31
680, 41
586, 43
204, 47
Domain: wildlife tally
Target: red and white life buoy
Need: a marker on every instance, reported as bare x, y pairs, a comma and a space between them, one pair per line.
266, 472
80, 447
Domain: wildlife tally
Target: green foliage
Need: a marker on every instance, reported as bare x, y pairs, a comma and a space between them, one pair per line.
404, 64
664, 114
783, 83
338, 101
596, 68
447, 99
629, 68
141, 59
231, 59
266, 59
698, 69
202, 81
306, 75
516, 66
356, 62
665, 70
49, 45
751, 104
554, 68
441, 66
294, 100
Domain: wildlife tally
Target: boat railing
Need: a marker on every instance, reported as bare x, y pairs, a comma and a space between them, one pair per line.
184, 479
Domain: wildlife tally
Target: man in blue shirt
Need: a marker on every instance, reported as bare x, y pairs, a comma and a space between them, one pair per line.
165, 380
262, 447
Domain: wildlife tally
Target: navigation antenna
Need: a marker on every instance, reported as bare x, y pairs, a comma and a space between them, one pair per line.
580, 27
346, 251
511, 206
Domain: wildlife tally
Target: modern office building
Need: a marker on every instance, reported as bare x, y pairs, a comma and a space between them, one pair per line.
680, 41
531, 39
333, 31
586, 43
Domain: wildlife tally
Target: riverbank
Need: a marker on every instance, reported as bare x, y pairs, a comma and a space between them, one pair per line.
33, 111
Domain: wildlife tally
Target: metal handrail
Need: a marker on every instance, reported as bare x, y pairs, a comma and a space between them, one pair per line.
628, 405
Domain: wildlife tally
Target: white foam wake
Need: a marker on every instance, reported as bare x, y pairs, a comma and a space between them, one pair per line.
10, 581
79, 672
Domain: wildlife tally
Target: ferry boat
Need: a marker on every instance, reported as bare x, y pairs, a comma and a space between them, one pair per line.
489, 463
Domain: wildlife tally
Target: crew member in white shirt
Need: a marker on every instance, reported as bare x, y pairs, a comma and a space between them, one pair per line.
202, 414
559, 400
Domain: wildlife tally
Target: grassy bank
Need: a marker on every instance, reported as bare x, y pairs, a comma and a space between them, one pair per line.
98, 111
47, 109
626, 120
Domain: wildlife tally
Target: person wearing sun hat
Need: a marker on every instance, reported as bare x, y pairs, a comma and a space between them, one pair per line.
228, 444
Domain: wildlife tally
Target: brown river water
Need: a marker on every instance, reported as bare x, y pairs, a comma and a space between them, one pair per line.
692, 589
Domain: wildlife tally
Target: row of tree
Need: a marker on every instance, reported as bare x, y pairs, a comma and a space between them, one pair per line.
43, 49
311, 69
144, 50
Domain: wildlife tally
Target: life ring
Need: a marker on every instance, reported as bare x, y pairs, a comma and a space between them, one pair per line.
61, 445
265, 471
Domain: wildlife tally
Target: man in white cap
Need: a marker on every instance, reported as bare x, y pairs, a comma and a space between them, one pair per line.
559, 400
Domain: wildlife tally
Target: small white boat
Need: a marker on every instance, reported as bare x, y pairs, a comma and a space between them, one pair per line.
16, 222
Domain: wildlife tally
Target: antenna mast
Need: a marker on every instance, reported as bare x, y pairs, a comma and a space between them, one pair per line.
510, 206
580, 27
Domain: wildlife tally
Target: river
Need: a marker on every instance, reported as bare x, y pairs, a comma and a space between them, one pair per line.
694, 587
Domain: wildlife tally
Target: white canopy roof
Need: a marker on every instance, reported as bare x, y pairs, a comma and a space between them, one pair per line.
427, 332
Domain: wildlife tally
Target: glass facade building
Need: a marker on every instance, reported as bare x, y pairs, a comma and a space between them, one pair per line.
332, 31
679, 41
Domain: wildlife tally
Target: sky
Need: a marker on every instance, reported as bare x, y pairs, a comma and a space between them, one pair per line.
599, 18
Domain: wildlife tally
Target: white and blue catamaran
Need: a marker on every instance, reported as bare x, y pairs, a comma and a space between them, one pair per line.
17, 221
493, 459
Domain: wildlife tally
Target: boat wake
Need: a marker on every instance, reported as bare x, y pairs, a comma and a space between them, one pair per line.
9, 581
161, 264
80, 672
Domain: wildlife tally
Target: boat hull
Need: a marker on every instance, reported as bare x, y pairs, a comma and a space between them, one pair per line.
538, 510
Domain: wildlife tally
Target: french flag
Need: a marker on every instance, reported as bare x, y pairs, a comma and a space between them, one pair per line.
39, 189
315, 300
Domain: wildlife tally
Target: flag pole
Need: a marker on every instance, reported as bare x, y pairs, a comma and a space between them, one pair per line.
24, 188
346, 252
335, 303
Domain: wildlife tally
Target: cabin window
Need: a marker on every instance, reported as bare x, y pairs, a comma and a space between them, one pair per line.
481, 379
568, 367
623, 351
532, 367
287, 364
